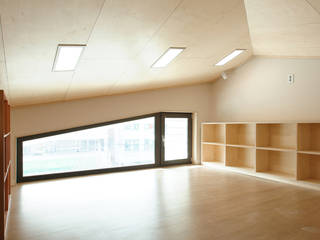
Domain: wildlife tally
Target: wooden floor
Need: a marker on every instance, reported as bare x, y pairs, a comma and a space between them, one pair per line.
175, 203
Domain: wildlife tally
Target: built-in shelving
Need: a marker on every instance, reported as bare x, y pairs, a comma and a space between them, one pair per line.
308, 167
241, 134
282, 135
214, 133
286, 152
214, 153
213, 143
240, 146
277, 162
240, 157
5, 166
309, 137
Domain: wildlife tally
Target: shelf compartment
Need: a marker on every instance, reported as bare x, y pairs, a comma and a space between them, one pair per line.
308, 167
274, 135
215, 133
213, 153
241, 134
277, 163
241, 157
309, 137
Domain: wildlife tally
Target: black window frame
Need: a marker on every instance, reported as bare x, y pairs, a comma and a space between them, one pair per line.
177, 161
159, 148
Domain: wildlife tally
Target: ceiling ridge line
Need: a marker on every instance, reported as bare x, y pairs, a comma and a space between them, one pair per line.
245, 5
5, 59
96, 20
87, 41
160, 27
108, 89
316, 10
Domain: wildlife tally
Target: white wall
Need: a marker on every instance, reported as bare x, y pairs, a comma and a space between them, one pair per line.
259, 91
49, 117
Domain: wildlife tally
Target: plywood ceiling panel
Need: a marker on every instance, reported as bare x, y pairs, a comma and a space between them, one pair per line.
125, 26
285, 27
32, 30
123, 38
95, 76
202, 29
50, 89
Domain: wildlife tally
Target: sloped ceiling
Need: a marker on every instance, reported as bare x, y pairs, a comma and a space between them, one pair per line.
284, 27
123, 37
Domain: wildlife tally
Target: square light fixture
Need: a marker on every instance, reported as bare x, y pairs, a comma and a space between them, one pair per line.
67, 57
231, 56
167, 57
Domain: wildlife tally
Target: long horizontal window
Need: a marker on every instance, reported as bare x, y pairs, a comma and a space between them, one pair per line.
117, 145
100, 148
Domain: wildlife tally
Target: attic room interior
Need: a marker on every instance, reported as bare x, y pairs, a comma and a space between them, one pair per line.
153, 120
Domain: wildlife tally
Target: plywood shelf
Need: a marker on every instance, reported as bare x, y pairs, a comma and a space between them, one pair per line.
240, 146
215, 133
279, 176
282, 135
277, 162
5, 166
240, 157
276, 149
215, 164
242, 169
241, 134
286, 152
310, 152
213, 143
308, 167
309, 137
310, 181
213, 153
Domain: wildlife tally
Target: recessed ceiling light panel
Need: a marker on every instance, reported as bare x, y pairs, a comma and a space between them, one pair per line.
67, 57
231, 56
167, 57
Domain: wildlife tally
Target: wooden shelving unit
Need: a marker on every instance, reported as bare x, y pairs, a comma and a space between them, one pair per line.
277, 135
5, 166
309, 167
241, 134
214, 133
309, 137
241, 157
286, 152
277, 162
215, 153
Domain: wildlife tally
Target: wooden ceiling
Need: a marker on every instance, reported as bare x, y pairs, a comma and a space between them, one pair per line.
284, 27
125, 37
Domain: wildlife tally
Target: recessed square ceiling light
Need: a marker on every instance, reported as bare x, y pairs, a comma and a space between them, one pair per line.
167, 57
67, 57
230, 57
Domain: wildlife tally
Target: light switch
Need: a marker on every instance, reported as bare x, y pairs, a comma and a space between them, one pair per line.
291, 78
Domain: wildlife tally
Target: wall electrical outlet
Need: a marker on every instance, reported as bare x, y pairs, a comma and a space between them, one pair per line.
291, 78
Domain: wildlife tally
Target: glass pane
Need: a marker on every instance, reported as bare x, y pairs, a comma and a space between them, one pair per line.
176, 138
123, 144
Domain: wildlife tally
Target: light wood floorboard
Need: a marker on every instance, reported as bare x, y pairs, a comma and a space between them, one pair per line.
188, 202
